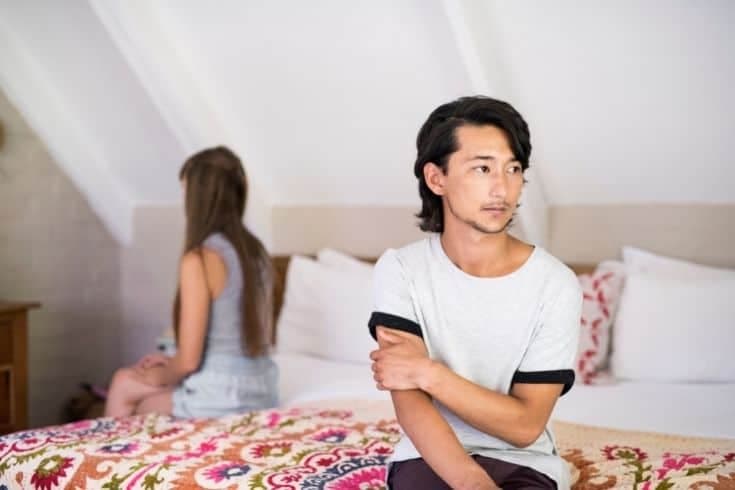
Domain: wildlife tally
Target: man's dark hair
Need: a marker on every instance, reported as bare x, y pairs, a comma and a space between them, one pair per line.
437, 140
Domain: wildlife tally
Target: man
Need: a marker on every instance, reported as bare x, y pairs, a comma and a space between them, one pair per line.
477, 330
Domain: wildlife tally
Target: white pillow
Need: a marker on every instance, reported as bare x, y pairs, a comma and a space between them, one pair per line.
675, 330
336, 258
325, 312
637, 260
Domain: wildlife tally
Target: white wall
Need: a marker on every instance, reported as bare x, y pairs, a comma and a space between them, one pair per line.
148, 275
62, 71
54, 250
628, 101
326, 98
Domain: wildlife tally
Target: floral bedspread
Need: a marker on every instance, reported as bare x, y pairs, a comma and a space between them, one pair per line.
606, 458
337, 447
298, 448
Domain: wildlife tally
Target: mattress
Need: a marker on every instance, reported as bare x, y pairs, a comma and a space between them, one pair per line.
703, 410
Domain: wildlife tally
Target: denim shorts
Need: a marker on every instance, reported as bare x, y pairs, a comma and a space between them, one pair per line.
227, 384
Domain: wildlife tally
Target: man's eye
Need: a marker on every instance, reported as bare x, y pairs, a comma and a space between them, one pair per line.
515, 169
482, 169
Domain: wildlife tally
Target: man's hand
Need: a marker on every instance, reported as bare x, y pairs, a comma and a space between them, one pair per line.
402, 363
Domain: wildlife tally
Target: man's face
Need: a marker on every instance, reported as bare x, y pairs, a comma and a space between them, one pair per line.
483, 181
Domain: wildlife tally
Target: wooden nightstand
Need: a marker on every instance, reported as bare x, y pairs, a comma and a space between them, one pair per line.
14, 365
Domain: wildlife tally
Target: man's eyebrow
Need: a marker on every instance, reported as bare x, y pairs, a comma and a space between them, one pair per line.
489, 157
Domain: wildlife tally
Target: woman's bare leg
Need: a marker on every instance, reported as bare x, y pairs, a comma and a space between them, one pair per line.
126, 391
158, 403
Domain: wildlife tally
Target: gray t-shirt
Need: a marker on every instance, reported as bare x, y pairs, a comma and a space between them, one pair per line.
519, 328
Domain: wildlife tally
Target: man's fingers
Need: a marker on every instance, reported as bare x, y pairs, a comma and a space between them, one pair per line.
397, 335
392, 336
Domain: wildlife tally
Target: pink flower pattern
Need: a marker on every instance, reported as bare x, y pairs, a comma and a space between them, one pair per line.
289, 449
670, 465
369, 479
601, 291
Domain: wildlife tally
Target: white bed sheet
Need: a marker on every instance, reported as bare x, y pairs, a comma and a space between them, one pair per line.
706, 410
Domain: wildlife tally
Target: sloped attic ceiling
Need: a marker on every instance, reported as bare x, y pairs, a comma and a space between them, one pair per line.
627, 103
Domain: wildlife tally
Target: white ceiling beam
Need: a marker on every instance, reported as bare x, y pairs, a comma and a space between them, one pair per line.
136, 28
31, 88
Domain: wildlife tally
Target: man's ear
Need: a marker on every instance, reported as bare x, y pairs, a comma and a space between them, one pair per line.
435, 178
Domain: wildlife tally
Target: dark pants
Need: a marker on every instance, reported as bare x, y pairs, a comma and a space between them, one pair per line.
414, 474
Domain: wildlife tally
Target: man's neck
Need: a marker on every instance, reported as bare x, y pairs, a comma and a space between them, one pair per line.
481, 254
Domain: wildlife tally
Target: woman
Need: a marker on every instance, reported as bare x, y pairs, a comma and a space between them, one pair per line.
222, 310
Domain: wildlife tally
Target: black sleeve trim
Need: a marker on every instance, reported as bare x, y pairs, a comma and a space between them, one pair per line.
560, 376
393, 321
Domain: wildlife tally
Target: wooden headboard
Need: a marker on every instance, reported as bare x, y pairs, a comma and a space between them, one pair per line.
280, 264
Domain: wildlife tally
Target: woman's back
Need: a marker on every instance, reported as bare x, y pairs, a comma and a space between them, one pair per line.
227, 380
224, 331
221, 312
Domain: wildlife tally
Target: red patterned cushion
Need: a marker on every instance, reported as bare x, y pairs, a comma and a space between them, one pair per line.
601, 291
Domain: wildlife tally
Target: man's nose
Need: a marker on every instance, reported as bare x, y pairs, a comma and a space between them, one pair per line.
498, 185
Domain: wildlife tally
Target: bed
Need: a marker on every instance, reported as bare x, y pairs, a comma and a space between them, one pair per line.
621, 435
334, 431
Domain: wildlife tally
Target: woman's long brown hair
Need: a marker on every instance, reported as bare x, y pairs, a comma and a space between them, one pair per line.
216, 193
